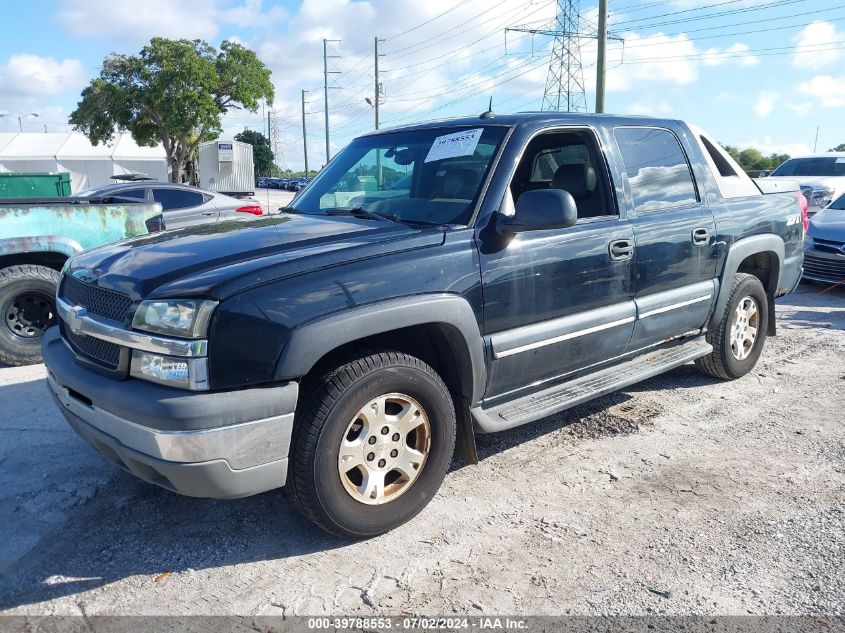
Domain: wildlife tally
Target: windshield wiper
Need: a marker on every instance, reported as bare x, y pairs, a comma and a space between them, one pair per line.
360, 212
289, 210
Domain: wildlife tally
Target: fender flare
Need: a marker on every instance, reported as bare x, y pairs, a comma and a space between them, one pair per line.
40, 244
737, 252
309, 342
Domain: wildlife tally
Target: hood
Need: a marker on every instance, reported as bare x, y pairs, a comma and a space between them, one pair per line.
217, 260
837, 183
828, 224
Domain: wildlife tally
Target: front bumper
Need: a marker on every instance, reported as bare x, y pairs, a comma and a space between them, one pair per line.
200, 444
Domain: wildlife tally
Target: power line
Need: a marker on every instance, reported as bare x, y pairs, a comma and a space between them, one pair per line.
422, 24
759, 7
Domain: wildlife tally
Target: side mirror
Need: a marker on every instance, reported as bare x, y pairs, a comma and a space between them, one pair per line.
538, 210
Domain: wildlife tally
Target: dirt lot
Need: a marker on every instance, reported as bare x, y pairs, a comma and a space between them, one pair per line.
682, 495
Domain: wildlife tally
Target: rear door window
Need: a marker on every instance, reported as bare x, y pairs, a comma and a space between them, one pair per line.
659, 173
133, 193
172, 199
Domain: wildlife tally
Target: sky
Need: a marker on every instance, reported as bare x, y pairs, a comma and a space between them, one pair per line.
753, 73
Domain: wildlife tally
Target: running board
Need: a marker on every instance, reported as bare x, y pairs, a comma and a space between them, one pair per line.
563, 396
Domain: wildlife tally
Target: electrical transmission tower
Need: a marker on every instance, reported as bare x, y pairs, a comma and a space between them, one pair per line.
565, 81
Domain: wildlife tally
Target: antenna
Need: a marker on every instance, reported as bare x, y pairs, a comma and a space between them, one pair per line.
489, 114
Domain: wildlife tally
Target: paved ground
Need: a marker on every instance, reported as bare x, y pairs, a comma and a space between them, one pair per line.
682, 495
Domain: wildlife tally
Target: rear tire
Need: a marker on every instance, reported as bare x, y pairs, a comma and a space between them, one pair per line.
27, 309
371, 445
739, 336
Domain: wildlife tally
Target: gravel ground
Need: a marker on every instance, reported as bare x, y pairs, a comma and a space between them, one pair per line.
682, 495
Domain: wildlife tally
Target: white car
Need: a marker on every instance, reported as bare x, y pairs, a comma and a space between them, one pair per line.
821, 176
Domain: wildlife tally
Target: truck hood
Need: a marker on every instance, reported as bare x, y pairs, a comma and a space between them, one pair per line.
218, 260
828, 224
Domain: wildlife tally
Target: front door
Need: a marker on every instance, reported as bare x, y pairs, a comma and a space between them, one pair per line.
675, 255
557, 301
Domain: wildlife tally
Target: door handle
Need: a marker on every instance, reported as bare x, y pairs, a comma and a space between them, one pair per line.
700, 236
620, 250
209, 213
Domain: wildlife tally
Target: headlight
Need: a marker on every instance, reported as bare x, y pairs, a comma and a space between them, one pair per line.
186, 319
185, 373
821, 197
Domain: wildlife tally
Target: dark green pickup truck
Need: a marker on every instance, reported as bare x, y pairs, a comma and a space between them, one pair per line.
37, 236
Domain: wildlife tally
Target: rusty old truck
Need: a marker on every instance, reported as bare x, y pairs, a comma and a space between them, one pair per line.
37, 236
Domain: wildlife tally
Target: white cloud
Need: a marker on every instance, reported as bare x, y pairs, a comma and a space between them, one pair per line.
802, 110
830, 91
814, 37
661, 108
769, 146
765, 103
32, 76
134, 22
736, 53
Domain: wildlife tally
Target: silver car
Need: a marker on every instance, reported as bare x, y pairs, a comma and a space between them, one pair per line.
182, 205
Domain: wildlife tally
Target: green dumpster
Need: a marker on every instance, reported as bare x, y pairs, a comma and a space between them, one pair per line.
34, 185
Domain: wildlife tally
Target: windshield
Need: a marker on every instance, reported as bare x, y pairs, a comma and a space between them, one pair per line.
822, 166
430, 176
839, 203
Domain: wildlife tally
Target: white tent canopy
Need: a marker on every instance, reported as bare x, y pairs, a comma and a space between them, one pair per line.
89, 165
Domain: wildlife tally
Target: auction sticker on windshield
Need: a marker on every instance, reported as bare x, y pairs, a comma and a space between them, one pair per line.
453, 145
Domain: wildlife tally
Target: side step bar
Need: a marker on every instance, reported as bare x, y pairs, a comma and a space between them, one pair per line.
564, 396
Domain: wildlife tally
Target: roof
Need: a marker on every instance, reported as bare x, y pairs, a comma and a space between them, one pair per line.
823, 155
72, 145
510, 120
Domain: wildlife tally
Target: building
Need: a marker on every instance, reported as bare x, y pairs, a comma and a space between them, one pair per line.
89, 165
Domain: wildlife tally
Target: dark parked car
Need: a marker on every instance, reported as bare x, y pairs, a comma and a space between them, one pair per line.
824, 253
342, 348
182, 205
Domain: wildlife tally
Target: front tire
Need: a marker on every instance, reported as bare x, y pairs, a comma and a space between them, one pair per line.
27, 309
739, 337
372, 444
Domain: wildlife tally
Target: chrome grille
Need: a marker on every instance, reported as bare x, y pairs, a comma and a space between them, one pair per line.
103, 352
101, 302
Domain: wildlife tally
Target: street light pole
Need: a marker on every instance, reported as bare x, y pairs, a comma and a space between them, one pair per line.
20, 118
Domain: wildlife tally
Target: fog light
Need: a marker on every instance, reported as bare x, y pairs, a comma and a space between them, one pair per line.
186, 373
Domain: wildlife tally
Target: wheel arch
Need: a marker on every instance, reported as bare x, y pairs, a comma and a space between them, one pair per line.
51, 251
442, 324
758, 255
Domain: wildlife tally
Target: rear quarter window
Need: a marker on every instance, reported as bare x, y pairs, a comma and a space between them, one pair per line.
659, 174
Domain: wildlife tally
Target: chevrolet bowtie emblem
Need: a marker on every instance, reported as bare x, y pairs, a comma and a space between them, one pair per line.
74, 319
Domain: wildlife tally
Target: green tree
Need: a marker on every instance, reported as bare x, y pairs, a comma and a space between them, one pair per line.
754, 160
174, 93
838, 148
262, 155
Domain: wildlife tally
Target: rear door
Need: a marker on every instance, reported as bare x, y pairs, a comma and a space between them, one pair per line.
675, 254
183, 207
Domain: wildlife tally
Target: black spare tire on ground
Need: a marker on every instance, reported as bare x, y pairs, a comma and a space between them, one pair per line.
27, 309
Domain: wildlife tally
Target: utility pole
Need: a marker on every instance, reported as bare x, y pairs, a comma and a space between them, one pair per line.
269, 142
304, 139
377, 95
602, 54
816, 142
326, 71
